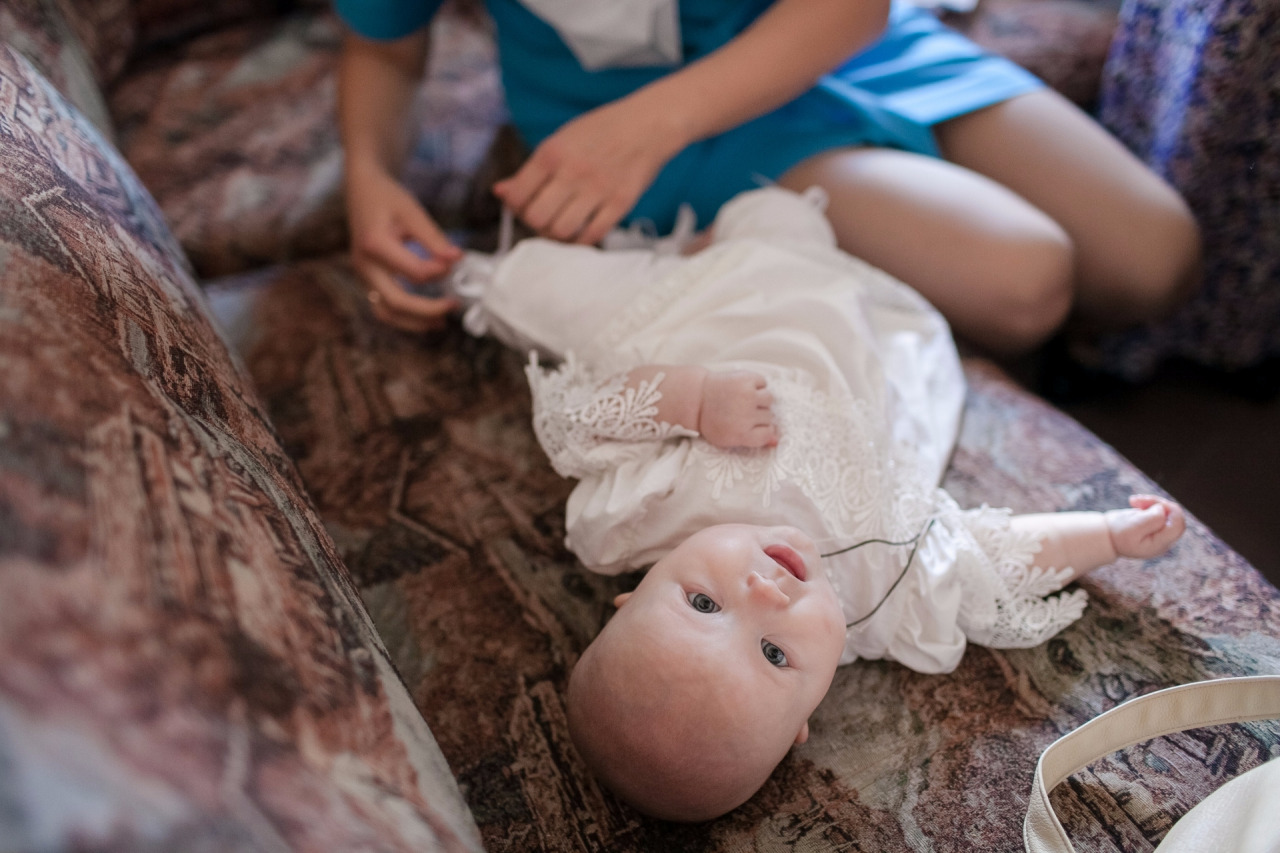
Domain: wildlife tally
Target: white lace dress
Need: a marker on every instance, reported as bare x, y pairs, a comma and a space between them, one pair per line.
868, 394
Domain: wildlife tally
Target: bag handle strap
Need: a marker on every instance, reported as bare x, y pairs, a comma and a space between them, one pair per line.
1187, 706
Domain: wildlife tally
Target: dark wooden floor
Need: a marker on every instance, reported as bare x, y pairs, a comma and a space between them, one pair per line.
1212, 448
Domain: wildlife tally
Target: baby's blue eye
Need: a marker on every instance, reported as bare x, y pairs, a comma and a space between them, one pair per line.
773, 654
702, 603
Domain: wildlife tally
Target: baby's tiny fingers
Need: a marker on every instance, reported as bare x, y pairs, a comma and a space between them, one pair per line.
1142, 501
767, 435
1152, 518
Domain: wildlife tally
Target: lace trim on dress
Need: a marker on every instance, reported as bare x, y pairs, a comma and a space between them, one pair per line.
575, 412
838, 453
1025, 614
863, 483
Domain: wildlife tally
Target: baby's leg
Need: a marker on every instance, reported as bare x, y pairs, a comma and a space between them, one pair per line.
1137, 246
1084, 541
1000, 270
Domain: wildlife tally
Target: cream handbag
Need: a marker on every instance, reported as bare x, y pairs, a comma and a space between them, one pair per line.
1242, 816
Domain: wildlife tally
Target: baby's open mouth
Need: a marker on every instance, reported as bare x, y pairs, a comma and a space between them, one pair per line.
789, 560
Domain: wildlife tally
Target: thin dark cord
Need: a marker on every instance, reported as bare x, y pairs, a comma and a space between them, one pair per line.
914, 542
910, 541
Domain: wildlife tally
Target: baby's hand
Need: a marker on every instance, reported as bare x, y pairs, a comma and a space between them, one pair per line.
1147, 530
737, 410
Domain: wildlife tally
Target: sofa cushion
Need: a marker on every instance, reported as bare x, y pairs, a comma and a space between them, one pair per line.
235, 134
184, 661
108, 30
1194, 90
49, 34
420, 455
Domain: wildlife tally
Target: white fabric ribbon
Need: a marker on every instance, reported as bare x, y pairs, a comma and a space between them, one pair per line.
615, 33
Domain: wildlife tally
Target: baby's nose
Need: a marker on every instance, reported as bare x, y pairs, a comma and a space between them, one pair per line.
767, 590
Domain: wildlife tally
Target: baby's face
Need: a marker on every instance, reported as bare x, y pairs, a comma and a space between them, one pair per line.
756, 616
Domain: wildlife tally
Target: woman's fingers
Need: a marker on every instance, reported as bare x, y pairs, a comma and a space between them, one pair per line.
395, 306
605, 219
421, 228
517, 191
387, 251
572, 219
546, 204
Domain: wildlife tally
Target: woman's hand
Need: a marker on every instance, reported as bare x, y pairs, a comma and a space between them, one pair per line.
376, 82
384, 219
579, 183
584, 178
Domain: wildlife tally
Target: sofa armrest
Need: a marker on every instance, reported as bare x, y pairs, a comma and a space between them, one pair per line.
184, 661
48, 35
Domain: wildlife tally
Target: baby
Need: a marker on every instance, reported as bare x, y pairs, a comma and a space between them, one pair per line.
765, 424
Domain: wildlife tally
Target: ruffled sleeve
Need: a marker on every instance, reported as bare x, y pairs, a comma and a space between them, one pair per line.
1010, 604
972, 579
584, 421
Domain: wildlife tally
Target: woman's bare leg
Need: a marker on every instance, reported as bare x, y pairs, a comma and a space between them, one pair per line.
1137, 244
1000, 270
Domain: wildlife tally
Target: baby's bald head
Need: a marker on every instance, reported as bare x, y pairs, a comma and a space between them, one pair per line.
708, 672
670, 733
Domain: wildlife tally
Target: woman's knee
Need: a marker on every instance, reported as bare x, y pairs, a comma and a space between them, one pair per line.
1162, 269
1035, 280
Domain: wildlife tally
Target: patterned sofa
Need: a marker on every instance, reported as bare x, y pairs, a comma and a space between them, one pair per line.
273, 577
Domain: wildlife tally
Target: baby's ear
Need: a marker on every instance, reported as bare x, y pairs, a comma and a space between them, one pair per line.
804, 733
620, 599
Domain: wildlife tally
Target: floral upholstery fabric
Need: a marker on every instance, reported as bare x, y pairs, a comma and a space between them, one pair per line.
1194, 88
108, 30
235, 134
48, 34
184, 662
420, 456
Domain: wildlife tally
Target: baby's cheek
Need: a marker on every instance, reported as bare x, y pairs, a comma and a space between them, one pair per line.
834, 623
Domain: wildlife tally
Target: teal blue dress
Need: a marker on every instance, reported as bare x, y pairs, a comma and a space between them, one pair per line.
890, 94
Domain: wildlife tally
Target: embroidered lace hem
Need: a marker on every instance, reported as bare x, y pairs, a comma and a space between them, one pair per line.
1021, 612
575, 413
